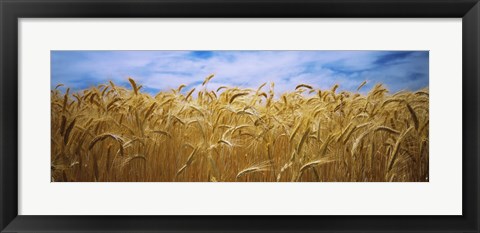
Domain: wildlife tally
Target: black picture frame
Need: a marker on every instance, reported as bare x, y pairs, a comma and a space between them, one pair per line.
11, 11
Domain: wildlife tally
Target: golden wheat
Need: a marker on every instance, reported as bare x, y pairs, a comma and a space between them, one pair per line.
111, 133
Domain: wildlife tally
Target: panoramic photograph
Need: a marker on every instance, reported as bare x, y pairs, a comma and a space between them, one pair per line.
239, 116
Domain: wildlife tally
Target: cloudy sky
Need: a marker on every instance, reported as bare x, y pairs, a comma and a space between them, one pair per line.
164, 70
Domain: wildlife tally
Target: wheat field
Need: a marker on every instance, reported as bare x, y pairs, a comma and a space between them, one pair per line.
110, 133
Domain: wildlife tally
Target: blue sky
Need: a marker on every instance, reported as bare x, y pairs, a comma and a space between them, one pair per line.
164, 70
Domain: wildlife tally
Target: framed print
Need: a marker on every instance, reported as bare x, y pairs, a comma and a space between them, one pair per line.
310, 116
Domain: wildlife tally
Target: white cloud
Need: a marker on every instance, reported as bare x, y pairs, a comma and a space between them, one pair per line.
163, 70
